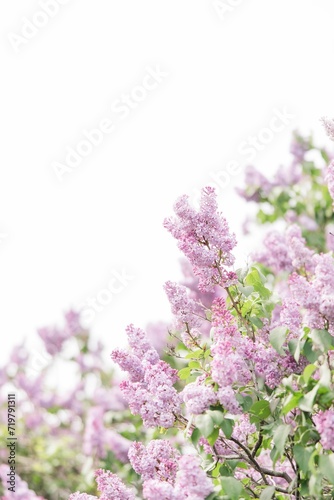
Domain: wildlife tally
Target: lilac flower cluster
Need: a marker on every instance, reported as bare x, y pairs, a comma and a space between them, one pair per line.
285, 252
324, 423
156, 461
21, 490
236, 358
110, 486
187, 313
205, 240
259, 187
329, 127
185, 309
314, 293
198, 398
54, 337
149, 390
97, 439
167, 474
93, 443
330, 179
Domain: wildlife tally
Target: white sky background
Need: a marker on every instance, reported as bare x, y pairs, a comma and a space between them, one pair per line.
225, 77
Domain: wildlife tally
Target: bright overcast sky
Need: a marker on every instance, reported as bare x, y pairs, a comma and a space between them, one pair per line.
175, 88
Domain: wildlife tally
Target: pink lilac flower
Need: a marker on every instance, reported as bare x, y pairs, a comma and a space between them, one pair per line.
191, 282
330, 236
110, 399
19, 355
257, 185
300, 255
314, 293
324, 423
303, 292
275, 253
290, 316
54, 337
228, 365
82, 496
324, 273
243, 428
191, 338
191, 480
329, 127
206, 447
327, 307
149, 392
118, 444
298, 148
72, 319
130, 363
191, 483
111, 487
227, 399
157, 334
198, 398
330, 179
22, 491
94, 439
205, 240
307, 222
287, 176
185, 309
285, 252
154, 489
158, 460
264, 460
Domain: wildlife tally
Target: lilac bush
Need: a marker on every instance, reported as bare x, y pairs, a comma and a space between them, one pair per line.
240, 404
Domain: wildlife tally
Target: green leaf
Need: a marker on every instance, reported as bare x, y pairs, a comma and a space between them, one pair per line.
217, 416
306, 402
227, 427
311, 355
292, 403
295, 346
195, 436
207, 353
231, 487
280, 437
213, 437
208, 314
205, 424
322, 339
184, 373
267, 493
326, 465
246, 290
194, 364
277, 338
244, 401
256, 280
302, 456
307, 373
242, 273
325, 376
259, 411
256, 321
195, 354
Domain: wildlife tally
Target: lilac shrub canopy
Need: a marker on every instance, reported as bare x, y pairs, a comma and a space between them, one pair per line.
238, 404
